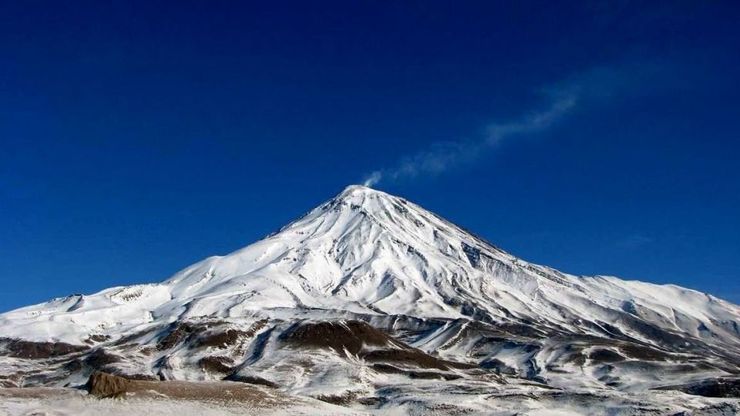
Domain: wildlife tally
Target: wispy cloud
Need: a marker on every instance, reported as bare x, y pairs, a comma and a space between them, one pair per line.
440, 156
559, 100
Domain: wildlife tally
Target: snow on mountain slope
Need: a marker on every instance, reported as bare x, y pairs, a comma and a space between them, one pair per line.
368, 252
369, 256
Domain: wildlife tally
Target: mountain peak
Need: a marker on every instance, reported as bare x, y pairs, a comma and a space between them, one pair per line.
353, 190
360, 195
357, 187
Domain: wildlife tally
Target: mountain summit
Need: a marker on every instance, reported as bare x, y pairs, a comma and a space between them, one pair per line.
366, 291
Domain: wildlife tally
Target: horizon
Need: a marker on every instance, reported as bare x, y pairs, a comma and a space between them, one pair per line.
140, 138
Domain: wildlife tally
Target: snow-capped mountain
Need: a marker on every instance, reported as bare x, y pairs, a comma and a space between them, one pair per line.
368, 291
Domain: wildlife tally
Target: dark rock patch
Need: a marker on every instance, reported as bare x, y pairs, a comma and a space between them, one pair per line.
216, 364
641, 352
605, 356
100, 358
256, 327
131, 376
94, 338
372, 401
352, 336
251, 380
39, 350
431, 375
389, 369
73, 365
412, 357
339, 336
343, 399
198, 335
176, 335
220, 339
472, 253
148, 351
717, 387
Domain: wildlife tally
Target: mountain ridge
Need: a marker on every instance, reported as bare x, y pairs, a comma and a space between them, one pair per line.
452, 305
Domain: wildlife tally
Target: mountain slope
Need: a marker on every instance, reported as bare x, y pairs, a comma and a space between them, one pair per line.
452, 305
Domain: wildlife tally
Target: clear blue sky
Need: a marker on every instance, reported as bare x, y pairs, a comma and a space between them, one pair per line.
139, 137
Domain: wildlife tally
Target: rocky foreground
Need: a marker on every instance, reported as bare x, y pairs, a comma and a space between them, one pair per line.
117, 395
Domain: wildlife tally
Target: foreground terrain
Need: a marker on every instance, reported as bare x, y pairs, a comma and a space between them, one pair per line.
165, 399
371, 304
232, 398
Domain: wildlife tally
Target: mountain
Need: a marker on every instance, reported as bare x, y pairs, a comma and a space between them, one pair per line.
373, 302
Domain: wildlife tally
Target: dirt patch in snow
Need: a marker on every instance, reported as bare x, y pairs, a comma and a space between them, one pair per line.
203, 334
343, 399
96, 338
352, 337
342, 336
216, 364
643, 352
409, 357
221, 339
19, 348
389, 369
716, 387
100, 358
605, 356
176, 335
251, 380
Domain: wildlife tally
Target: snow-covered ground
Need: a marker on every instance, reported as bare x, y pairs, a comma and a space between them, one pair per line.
67, 402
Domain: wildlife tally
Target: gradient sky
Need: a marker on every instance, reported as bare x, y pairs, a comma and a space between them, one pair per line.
140, 137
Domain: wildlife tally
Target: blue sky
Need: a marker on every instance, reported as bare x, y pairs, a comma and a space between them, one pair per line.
140, 137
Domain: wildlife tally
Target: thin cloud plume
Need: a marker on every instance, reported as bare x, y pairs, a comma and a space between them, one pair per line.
441, 156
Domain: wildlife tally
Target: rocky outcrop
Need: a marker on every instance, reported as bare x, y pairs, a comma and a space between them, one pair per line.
107, 385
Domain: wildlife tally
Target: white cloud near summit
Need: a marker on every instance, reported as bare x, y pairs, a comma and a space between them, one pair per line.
440, 156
